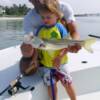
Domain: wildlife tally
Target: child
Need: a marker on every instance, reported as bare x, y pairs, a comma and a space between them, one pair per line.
53, 29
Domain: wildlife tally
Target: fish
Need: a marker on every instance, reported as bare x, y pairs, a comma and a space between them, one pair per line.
57, 44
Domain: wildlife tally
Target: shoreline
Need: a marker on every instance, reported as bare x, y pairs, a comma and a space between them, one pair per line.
11, 18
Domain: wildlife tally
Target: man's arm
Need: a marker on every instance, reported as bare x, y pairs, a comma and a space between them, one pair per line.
74, 35
69, 19
73, 30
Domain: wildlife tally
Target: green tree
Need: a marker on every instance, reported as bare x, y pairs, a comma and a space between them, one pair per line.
15, 10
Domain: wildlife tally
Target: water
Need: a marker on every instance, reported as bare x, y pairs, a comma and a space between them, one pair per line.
88, 25
11, 31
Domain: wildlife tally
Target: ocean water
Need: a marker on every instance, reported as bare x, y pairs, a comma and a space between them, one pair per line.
88, 25
11, 31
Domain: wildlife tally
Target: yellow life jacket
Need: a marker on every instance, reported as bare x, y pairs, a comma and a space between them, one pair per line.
47, 56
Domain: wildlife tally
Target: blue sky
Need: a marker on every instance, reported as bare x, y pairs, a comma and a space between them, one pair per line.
79, 6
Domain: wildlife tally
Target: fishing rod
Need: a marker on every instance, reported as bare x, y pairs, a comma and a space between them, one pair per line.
52, 84
95, 36
14, 86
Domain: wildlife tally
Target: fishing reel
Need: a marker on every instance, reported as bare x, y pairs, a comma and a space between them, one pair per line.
15, 85
15, 88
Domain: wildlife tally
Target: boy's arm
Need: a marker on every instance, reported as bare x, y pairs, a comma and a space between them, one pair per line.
63, 32
57, 59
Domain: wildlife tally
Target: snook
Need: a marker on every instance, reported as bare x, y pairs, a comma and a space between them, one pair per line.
62, 43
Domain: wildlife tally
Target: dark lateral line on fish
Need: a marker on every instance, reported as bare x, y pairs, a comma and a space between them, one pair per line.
62, 41
94, 36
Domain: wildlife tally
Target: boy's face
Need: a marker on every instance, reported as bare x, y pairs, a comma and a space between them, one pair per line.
48, 18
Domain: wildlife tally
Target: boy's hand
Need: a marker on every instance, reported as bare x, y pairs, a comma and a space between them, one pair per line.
57, 62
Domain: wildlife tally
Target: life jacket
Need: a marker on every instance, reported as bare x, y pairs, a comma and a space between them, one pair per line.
63, 21
47, 56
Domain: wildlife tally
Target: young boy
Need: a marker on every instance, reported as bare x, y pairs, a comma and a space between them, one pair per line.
51, 28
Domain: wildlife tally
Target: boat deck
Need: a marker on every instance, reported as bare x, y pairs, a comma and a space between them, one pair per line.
88, 96
84, 67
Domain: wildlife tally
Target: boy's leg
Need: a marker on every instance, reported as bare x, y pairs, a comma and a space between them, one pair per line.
55, 92
47, 81
70, 90
67, 82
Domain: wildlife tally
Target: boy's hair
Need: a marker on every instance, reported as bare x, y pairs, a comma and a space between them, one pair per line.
51, 8
43, 1
51, 5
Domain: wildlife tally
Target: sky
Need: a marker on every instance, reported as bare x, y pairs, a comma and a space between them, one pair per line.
17, 2
79, 6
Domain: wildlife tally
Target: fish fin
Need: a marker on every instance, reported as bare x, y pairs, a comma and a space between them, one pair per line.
87, 44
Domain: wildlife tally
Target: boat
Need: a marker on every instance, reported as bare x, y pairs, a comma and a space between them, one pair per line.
84, 67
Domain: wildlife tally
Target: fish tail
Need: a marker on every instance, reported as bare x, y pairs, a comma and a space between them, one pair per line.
88, 43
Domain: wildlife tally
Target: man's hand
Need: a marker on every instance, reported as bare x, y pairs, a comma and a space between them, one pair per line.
74, 48
27, 50
28, 38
